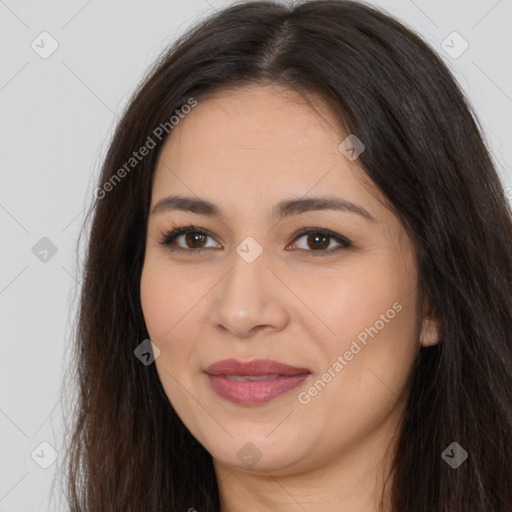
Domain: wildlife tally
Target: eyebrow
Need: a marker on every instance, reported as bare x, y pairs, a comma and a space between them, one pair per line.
282, 209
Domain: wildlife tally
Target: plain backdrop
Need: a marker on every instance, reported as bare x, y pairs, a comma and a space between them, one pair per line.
66, 72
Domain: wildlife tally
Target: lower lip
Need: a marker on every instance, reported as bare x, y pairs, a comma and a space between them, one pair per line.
254, 392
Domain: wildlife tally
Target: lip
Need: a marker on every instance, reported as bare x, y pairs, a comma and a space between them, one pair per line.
282, 378
253, 368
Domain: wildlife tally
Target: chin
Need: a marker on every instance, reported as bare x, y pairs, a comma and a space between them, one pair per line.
257, 454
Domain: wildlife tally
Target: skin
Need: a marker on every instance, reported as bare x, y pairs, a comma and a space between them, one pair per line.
246, 150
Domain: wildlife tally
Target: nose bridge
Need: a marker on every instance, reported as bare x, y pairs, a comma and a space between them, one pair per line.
247, 298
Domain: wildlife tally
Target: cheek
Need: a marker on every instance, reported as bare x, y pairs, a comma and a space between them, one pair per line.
155, 303
170, 324
164, 305
372, 317
172, 310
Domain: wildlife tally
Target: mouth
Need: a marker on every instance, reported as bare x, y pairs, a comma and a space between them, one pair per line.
254, 382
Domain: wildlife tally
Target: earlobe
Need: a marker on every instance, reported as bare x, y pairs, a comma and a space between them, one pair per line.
429, 335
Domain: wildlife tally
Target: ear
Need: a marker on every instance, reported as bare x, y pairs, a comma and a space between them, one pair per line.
430, 330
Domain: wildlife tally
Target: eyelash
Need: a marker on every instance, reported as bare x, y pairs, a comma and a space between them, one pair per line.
168, 237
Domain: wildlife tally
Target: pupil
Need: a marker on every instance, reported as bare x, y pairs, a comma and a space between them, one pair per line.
192, 238
316, 238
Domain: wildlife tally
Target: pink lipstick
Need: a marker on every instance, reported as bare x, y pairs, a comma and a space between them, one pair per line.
253, 382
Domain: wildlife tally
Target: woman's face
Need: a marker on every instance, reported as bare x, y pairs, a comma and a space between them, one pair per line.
250, 286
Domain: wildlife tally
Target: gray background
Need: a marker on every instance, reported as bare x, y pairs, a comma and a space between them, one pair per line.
57, 115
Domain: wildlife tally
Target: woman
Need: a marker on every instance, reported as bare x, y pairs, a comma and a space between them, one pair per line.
297, 286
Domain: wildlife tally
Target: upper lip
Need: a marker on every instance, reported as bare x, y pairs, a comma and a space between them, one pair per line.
253, 368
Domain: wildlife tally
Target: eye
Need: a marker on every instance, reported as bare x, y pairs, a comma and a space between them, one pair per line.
320, 241
193, 237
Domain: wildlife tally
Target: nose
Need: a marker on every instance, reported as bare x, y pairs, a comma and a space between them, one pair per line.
249, 299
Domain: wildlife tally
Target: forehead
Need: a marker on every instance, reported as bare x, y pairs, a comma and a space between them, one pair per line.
268, 118
252, 148
256, 137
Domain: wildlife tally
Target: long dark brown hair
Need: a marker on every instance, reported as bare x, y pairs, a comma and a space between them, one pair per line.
128, 450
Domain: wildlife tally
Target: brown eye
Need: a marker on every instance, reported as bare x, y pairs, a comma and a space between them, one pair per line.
189, 239
195, 240
320, 241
